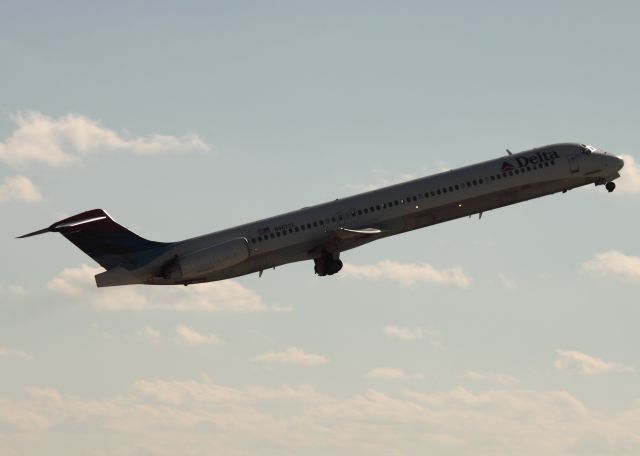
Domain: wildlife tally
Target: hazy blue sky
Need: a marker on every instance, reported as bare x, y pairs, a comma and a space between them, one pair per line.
513, 334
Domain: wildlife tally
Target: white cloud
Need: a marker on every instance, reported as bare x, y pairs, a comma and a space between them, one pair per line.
6, 352
63, 140
15, 290
629, 181
224, 296
418, 333
192, 338
407, 273
507, 281
581, 363
150, 334
391, 373
292, 355
503, 379
402, 332
156, 416
614, 264
19, 188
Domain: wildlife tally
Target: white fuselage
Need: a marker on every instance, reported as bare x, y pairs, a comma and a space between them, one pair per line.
346, 223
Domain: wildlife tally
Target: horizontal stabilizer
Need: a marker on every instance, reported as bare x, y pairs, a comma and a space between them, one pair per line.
35, 233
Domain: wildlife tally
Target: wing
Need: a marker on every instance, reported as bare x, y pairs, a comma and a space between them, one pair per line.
349, 234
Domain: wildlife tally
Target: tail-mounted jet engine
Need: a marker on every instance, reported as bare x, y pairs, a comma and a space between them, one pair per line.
205, 261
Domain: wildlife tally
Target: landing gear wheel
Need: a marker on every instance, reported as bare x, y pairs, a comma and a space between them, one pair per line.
335, 267
611, 186
326, 264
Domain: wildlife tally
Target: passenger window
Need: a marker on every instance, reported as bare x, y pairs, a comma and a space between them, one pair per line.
359, 211
444, 190
297, 229
457, 187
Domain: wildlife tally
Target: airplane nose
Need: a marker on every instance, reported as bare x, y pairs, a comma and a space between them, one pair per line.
616, 162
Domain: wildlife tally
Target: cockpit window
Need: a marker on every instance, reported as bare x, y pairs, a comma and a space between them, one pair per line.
587, 149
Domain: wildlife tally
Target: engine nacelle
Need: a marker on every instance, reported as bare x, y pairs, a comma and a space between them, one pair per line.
209, 260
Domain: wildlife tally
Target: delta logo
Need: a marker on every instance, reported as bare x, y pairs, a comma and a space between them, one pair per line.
533, 159
506, 167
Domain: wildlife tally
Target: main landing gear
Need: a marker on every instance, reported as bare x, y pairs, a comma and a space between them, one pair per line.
610, 186
327, 264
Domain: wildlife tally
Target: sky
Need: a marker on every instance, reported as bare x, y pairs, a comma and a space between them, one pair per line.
513, 334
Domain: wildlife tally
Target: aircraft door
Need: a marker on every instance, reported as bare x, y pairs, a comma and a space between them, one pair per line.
573, 164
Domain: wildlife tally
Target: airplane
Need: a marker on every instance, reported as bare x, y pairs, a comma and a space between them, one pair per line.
320, 233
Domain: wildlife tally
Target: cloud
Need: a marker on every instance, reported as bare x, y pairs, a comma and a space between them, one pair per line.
614, 264
15, 290
407, 334
629, 181
63, 140
192, 338
402, 332
224, 296
503, 379
581, 363
407, 273
291, 355
6, 352
201, 416
19, 188
151, 335
391, 373
508, 282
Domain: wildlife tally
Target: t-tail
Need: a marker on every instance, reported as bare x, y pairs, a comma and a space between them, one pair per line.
110, 244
